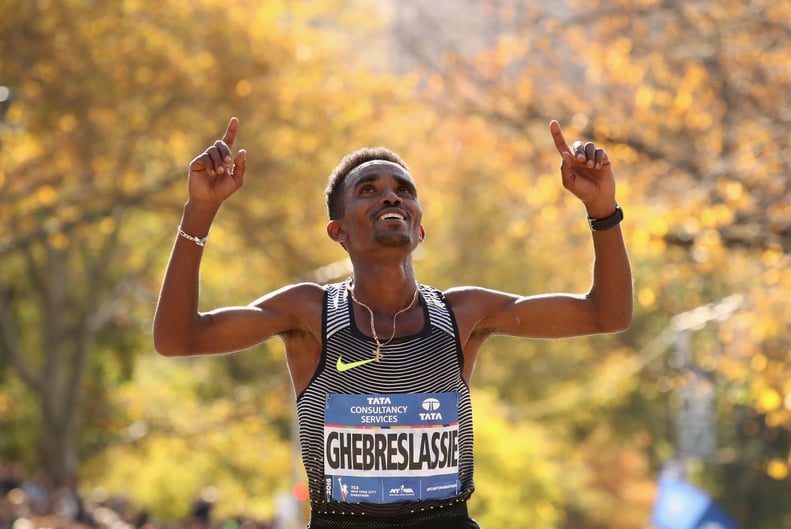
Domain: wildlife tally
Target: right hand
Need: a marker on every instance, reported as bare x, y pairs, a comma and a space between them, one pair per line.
586, 172
215, 175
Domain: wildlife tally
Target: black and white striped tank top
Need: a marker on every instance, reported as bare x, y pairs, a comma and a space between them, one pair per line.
392, 436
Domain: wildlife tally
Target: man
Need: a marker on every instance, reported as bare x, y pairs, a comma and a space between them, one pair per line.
380, 363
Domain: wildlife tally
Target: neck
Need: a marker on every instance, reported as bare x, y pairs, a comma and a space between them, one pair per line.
385, 291
373, 317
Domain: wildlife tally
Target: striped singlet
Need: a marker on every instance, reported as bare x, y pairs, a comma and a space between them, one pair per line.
389, 437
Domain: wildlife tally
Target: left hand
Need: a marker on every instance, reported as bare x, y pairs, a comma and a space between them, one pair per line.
586, 171
214, 175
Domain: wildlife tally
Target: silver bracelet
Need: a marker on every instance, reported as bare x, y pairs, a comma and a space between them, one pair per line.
197, 240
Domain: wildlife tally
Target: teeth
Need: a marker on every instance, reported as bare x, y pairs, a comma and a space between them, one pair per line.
387, 216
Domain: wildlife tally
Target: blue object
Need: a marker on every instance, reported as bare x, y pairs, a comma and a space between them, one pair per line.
679, 505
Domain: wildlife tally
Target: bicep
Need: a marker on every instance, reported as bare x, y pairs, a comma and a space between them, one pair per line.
546, 316
491, 312
235, 328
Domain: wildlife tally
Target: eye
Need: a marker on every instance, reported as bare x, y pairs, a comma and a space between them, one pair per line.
367, 188
406, 190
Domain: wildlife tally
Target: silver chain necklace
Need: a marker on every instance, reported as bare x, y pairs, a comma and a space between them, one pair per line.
379, 344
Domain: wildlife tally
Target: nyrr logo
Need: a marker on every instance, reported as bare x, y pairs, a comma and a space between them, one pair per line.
431, 405
402, 491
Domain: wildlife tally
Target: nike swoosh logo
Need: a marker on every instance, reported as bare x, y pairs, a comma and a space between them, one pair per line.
341, 366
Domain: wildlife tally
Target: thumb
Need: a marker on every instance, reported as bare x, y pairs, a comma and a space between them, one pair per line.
239, 166
567, 175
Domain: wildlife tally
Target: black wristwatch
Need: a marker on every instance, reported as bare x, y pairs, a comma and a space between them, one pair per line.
607, 222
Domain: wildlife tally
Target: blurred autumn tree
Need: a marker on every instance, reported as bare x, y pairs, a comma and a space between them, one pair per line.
111, 100
690, 100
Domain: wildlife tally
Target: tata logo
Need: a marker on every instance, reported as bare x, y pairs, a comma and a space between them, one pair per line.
379, 400
430, 404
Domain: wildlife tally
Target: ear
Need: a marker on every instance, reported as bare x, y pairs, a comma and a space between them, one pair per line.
335, 231
422, 233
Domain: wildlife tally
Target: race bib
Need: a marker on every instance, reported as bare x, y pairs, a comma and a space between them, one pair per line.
392, 447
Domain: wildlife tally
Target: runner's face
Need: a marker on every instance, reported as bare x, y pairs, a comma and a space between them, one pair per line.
381, 205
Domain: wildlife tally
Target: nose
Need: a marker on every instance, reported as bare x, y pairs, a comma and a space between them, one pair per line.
389, 197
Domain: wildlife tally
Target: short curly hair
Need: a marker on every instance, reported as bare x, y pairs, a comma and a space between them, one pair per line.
334, 192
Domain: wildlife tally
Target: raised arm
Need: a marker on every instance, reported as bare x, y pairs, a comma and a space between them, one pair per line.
586, 172
179, 329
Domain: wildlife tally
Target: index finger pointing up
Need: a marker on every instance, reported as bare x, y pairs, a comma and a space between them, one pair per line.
560, 141
230, 132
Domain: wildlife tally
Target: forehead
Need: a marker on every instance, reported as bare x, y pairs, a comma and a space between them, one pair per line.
376, 168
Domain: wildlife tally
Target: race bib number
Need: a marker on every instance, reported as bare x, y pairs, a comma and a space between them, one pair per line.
391, 448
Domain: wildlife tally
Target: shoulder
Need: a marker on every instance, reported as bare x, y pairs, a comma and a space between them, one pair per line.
479, 309
297, 292
483, 298
292, 308
299, 300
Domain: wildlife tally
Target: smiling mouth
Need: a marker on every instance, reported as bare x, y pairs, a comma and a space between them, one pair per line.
391, 215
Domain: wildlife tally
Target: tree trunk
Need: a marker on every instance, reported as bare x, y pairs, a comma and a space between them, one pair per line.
58, 440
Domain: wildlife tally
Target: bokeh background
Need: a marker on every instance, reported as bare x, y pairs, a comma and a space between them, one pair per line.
104, 102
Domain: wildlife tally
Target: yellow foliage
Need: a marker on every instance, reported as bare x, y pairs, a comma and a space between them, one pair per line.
646, 297
516, 466
189, 445
777, 469
768, 400
115, 104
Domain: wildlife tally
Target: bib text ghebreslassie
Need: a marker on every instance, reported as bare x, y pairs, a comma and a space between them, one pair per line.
391, 448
